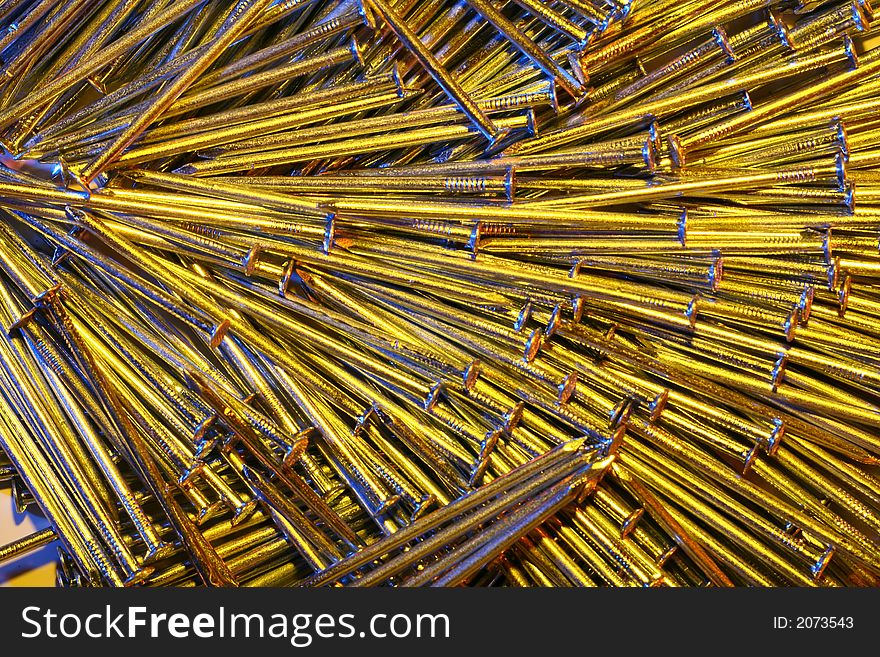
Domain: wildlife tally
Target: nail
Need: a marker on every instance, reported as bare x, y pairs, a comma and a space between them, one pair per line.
527, 47
24, 545
412, 42
562, 456
172, 91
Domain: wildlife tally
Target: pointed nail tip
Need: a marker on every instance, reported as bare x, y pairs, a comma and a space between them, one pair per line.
139, 577
243, 512
158, 553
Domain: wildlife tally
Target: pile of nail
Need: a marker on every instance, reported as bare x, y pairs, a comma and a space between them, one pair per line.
442, 292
